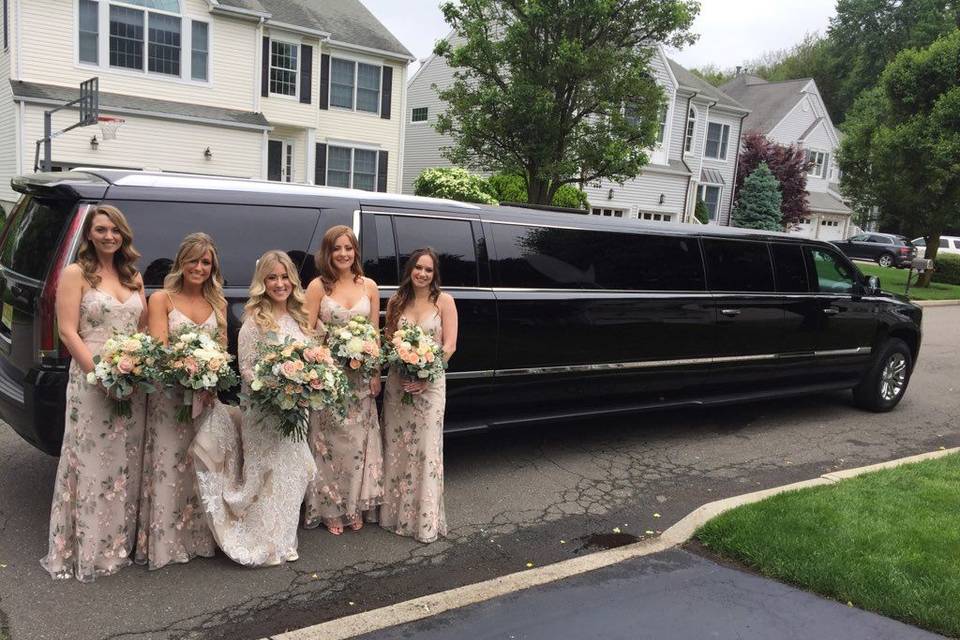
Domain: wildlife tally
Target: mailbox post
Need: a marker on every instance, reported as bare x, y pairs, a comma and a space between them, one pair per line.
919, 265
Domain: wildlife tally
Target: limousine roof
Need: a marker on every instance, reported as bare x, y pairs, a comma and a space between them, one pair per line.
117, 183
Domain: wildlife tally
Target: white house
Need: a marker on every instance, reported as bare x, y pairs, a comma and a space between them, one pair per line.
306, 91
793, 112
695, 156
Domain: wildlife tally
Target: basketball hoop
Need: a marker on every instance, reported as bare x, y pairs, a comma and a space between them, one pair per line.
109, 126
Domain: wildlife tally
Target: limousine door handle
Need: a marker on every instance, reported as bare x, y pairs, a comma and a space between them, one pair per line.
830, 311
730, 312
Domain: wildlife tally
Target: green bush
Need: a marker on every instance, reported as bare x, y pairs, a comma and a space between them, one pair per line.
510, 188
453, 183
947, 270
701, 212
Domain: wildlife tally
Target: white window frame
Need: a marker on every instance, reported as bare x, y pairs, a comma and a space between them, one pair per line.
103, 44
209, 53
615, 211
356, 62
723, 144
690, 130
414, 110
821, 162
353, 148
702, 195
655, 216
296, 82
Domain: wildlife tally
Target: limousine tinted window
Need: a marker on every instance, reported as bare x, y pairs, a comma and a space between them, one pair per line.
451, 239
548, 258
833, 274
31, 240
791, 273
158, 228
736, 265
381, 264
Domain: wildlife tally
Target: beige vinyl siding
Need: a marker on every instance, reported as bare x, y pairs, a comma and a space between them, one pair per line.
50, 56
148, 143
288, 110
8, 129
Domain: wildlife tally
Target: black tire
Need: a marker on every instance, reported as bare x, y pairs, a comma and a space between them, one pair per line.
886, 260
886, 381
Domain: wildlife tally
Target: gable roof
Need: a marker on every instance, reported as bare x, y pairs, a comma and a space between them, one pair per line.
347, 21
769, 101
689, 81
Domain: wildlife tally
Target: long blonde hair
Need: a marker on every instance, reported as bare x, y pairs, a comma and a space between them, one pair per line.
259, 306
124, 258
192, 248
324, 258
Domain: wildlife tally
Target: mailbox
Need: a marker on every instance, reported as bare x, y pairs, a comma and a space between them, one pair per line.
921, 264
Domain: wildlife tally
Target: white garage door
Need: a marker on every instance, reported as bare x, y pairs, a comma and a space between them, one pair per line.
831, 228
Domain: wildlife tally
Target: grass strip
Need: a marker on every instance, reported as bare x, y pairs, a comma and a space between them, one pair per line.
895, 281
887, 541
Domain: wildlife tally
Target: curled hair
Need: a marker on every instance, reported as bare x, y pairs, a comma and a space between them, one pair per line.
324, 258
260, 308
404, 295
191, 249
124, 258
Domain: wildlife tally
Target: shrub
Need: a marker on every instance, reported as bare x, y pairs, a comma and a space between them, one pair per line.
758, 203
701, 212
453, 183
947, 270
510, 188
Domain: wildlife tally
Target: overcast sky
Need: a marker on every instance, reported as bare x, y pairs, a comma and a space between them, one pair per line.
731, 31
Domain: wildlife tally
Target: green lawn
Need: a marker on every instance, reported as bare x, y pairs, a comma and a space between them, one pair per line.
895, 281
887, 542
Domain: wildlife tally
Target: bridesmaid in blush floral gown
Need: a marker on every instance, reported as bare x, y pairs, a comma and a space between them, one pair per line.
413, 434
348, 451
94, 513
172, 527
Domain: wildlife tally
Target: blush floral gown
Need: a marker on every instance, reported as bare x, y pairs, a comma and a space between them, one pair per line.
413, 455
251, 479
94, 513
171, 527
348, 451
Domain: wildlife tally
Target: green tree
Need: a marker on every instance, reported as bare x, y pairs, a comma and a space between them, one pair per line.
511, 188
902, 148
556, 91
713, 74
701, 212
453, 183
758, 204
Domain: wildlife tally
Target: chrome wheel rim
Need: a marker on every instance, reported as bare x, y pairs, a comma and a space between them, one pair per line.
885, 261
893, 377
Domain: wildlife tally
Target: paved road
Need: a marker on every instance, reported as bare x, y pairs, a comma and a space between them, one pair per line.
516, 497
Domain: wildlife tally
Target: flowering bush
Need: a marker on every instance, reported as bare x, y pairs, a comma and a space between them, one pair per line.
197, 362
292, 377
356, 345
127, 363
416, 355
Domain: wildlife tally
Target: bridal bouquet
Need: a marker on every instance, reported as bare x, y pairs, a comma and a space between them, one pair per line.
293, 377
356, 345
127, 363
415, 354
197, 362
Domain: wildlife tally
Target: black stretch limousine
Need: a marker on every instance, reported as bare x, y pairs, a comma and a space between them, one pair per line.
561, 315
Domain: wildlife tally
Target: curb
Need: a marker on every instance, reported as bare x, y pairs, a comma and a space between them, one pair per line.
430, 605
936, 303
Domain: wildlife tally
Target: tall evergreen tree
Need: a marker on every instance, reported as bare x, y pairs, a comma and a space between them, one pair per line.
758, 206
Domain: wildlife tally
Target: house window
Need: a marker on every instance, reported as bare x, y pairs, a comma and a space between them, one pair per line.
352, 168
163, 53
419, 114
199, 51
355, 85
656, 217
283, 67
607, 212
691, 127
710, 196
89, 31
126, 38
662, 130
819, 163
717, 137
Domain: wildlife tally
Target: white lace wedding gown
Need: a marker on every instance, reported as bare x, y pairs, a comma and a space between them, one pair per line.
251, 479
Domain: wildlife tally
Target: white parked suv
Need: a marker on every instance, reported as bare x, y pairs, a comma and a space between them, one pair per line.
948, 244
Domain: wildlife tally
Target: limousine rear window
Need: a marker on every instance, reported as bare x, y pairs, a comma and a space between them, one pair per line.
451, 239
241, 233
736, 265
789, 268
33, 235
549, 258
381, 263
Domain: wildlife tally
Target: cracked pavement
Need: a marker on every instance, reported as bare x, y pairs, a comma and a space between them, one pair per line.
513, 497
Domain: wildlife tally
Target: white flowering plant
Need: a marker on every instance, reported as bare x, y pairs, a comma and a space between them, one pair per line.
356, 345
126, 363
196, 361
416, 355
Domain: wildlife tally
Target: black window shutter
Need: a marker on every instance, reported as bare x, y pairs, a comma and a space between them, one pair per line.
306, 73
324, 81
386, 91
274, 159
382, 170
265, 69
320, 166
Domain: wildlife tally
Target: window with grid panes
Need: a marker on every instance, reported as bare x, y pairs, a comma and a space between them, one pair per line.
163, 51
691, 128
283, 67
718, 135
126, 37
419, 114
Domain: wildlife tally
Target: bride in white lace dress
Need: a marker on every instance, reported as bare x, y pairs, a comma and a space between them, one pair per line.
251, 479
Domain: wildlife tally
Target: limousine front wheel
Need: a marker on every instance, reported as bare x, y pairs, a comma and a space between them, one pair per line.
886, 381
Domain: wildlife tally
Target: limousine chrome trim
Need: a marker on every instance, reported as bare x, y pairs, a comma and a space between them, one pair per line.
356, 223
653, 364
466, 217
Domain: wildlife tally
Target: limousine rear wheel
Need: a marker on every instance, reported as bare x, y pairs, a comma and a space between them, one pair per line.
886, 381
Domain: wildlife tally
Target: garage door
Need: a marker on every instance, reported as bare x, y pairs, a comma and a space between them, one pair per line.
831, 228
